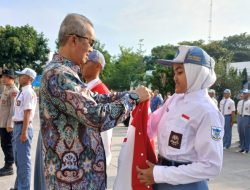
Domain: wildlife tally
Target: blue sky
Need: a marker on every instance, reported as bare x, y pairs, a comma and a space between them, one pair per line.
124, 22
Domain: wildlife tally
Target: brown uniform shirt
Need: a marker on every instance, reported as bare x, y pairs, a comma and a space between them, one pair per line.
7, 106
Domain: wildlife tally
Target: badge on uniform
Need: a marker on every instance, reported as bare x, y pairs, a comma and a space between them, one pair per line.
216, 133
18, 102
175, 140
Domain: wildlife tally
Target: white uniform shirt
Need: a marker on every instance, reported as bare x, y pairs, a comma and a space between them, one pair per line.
26, 100
243, 110
227, 106
189, 129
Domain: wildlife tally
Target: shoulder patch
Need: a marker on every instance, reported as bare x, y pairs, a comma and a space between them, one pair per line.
216, 133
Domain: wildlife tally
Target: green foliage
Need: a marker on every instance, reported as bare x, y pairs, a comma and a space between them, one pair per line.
162, 77
22, 47
239, 45
127, 70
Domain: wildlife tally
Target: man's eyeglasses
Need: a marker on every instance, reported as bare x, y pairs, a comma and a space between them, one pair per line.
90, 41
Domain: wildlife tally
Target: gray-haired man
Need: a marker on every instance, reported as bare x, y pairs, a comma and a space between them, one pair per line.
72, 117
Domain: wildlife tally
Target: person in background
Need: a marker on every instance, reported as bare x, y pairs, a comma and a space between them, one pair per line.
188, 127
156, 101
211, 93
91, 71
243, 110
6, 125
1, 83
167, 96
24, 112
227, 108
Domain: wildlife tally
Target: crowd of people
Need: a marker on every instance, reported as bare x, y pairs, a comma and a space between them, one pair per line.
228, 107
78, 113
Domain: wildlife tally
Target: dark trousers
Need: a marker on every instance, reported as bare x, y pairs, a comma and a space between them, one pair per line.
6, 144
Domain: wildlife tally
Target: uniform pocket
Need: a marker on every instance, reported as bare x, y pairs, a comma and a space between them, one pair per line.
177, 140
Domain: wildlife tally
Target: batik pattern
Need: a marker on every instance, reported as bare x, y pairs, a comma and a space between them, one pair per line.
72, 118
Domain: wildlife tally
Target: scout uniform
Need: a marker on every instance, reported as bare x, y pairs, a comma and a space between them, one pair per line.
7, 111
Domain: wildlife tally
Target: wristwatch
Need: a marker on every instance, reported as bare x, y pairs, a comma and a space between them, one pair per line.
135, 97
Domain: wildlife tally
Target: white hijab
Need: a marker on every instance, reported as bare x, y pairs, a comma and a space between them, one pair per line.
199, 77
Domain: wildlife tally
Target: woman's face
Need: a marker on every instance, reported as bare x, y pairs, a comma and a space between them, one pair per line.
179, 78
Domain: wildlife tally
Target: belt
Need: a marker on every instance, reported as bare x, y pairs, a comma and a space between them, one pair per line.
244, 115
165, 162
19, 122
228, 115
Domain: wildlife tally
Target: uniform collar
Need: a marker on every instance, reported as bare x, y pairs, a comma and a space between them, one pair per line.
198, 94
10, 86
26, 87
92, 83
66, 62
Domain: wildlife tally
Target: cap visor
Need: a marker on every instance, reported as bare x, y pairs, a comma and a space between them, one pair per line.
18, 72
165, 62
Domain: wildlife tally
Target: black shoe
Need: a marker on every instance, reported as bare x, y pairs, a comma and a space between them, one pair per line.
6, 170
246, 152
241, 151
12, 188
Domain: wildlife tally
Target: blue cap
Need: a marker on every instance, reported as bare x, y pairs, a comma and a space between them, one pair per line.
97, 57
227, 91
192, 55
245, 91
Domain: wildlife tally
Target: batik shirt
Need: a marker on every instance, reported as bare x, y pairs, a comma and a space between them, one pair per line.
72, 118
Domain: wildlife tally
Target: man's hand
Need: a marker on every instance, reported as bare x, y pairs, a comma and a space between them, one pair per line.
23, 137
143, 93
146, 175
9, 129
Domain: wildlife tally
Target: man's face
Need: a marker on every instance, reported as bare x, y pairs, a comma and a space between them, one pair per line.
245, 96
227, 95
90, 69
180, 78
6, 80
83, 45
24, 80
211, 94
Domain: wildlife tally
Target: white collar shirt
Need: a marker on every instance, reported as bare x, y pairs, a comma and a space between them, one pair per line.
227, 106
92, 83
185, 128
243, 109
26, 100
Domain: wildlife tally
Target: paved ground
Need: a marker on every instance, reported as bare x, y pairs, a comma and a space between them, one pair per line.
235, 174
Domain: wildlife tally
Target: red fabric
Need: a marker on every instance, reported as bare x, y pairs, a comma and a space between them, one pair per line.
143, 147
100, 88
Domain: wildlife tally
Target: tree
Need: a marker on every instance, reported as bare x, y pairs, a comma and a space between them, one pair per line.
239, 45
22, 47
162, 77
128, 70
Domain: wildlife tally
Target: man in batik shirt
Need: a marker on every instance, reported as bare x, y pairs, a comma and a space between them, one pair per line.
72, 117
